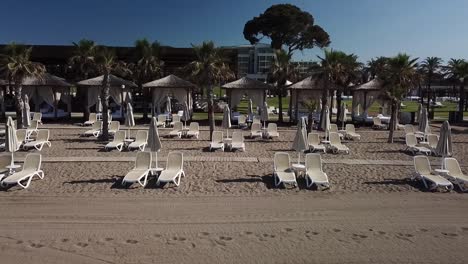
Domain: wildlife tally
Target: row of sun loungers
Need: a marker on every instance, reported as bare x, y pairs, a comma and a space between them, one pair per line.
443, 178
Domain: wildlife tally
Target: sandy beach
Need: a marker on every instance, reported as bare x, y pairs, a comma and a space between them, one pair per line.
231, 212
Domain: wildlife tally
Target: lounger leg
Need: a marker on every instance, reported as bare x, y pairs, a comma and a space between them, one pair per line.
145, 179
183, 174
27, 183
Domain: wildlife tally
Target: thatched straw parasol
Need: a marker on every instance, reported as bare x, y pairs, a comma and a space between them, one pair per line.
170, 81
114, 81
246, 83
46, 80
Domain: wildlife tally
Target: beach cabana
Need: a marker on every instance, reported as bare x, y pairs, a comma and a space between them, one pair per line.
49, 89
253, 89
365, 95
179, 88
119, 92
309, 89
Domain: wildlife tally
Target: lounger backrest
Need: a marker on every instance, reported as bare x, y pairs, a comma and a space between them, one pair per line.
119, 136
335, 139
217, 137
242, 119
93, 117
141, 136
237, 137
32, 162
256, 120
452, 166
43, 135
37, 116
422, 165
409, 129
21, 135
34, 124
333, 128
256, 127
175, 161
377, 121
97, 125
175, 118
433, 140
313, 139
143, 160
411, 140
178, 126
313, 162
5, 160
282, 161
162, 118
194, 126
272, 127
114, 125
350, 128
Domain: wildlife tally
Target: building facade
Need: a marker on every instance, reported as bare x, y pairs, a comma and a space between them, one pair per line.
254, 61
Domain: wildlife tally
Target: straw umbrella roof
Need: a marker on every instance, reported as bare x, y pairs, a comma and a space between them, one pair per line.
114, 82
170, 81
247, 83
308, 83
46, 80
372, 85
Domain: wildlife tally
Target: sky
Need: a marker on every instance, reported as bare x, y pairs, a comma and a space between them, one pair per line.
367, 28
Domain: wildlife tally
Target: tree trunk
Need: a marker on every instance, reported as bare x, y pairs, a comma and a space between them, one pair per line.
211, 117
105, 107
2, 115
84, 97
19, 104
310, 121
421, 94
338, 108
461, 102
280, 104
146, 96
393, 119
325, 96
429, 95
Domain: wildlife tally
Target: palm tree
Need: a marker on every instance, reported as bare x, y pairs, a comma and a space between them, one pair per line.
338, 69
107, 63
83, 65
376, 66
148, 66
209, 68
430, 68
398, 76
281, 70
17, 65
457, 69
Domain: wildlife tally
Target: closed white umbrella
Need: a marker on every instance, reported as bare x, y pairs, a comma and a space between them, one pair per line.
299, 143
99, 105
419, 112
342, 115
250, 110
325, 121
26, 112
129, 118
186, 114
168, 105
10, 138
154, 142
444, 146
264, 113
226, 119
424, 122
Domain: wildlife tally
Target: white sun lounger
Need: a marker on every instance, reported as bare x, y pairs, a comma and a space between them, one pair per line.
432, 141
31, 168
141, 170
335, 144
33, 128
334, 129
378, 123
175, 119
114, 127
5, 160
174, 169
272, 130
455, 173
282, 170
21, 137
409, 129
256, 130
37, 117
241, 121
426, 174
91, 120
350, 132
314, 173
237, 141
141, 139
217, 141
313, 141
41, 140
95, 129
177, 130
194, 130
161, 121
411, 145
118, 141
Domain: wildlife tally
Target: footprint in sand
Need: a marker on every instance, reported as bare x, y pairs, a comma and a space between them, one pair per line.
108, 239
464, 229
179, 238
225, 238
381, 232
83, 245
65, 240
288, 229
336, 230
34, 245
248, 233
204, 233
131, 241
19, 242
423, 230
449, 234
157, 235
